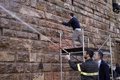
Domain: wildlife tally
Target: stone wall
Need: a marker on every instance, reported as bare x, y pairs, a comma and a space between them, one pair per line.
23, 49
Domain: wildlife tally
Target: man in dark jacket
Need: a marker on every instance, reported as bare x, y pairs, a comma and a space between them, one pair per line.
88, 69
103, 66
117, 70
74, 23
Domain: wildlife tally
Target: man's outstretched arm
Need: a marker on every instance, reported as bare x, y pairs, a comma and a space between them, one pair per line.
67, 23
72, 64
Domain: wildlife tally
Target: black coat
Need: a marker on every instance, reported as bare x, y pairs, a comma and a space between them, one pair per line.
104, 71
88, 66
117, 70
74, 23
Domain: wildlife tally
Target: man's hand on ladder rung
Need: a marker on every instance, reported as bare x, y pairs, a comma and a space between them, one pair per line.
67, 57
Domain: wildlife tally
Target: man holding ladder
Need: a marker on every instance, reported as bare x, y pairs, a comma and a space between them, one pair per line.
88, 69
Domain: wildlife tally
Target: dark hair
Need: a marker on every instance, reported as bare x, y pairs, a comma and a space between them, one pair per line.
117, 65
90, 52
71, 14
100, 54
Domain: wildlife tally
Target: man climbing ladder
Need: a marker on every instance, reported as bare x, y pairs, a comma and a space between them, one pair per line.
74, 23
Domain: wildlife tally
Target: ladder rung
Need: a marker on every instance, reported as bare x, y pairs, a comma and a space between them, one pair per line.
74, 53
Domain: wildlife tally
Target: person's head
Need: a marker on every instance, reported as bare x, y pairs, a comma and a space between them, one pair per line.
71, 15
98, 55
89, 54
117, 65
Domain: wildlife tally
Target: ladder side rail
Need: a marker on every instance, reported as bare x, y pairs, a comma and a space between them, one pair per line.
111, 56
83, 42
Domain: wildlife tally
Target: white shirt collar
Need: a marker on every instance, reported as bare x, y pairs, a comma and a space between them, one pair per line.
99, 62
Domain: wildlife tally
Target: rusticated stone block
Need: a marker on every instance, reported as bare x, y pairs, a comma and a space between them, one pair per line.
12, 24
1, 31
10, 68
49, 58
48, 76
40, 45
47, 67
34, 3
72, 73
40, 57
27, 2
7, 77
53, 17
32, 57
38, 76
4, 42
7, 32
57, 2
27, 67
56, 75
41, 5
20, 67
50, 8
22, 56
19, 34
19, 44
57, 58
15, 25
33, 13
34, 67
53, 48
23, 67
2, 68
73, 78
25, 76
56, 67
4, 23
7, 56
66, 67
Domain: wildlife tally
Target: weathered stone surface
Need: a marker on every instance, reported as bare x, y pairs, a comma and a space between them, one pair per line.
7, 77
56, 67
51, 58
34, 67
19, 34
10, 68
27, 67
4, 42
66, 67
2, 68
47, 67
40, 57
19, 44
56, 76
44, 38
39, 45
20, 67
41, 5
22, 56
33, 13
48, 75
33, 57
25, 76
7, 56
38, 76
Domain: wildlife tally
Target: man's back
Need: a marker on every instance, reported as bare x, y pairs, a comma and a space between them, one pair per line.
89, 66
72, 22
104, 71
88, 69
